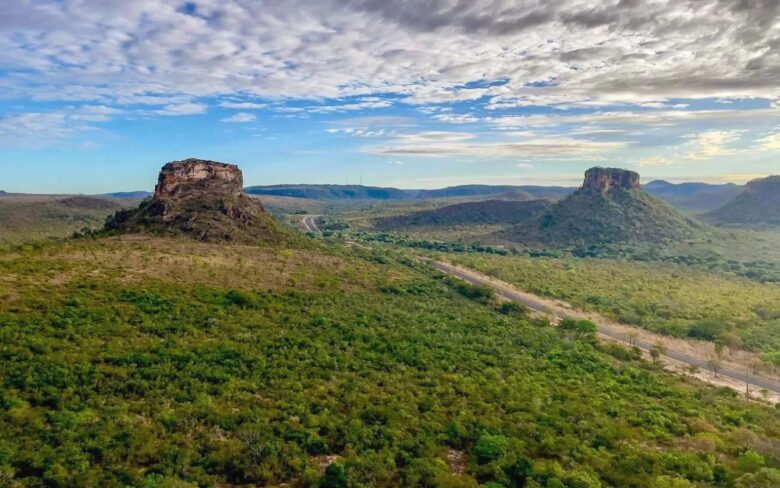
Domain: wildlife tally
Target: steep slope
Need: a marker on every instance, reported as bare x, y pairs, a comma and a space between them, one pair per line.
610, 207
469, 213
201, 199
758, 205
693, 197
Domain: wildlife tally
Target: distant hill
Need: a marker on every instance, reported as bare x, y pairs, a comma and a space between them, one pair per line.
757, 205
30, 218
358, 192
610, 207
468, 213
128, 195
693, 197
330, 192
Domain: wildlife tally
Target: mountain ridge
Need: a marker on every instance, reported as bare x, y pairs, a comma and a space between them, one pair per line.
757, 205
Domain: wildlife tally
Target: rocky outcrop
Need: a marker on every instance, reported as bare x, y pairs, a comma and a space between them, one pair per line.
604, 180
202, 199
198, 175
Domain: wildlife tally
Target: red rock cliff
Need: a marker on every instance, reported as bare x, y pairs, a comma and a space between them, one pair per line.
604, 180
199, 175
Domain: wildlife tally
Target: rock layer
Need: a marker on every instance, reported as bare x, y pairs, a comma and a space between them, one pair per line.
604, 180
199, 175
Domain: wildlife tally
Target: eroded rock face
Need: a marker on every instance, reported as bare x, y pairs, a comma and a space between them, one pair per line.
604, 180
204, 200
198, 175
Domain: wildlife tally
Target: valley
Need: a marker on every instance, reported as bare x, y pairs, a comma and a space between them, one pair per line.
201, 340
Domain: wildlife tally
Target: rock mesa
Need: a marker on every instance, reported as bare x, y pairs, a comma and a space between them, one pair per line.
604, 180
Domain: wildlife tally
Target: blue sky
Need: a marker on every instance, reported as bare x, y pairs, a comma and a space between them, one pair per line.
95, 96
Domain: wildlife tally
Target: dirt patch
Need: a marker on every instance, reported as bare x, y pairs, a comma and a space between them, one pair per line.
324, 460
457, 460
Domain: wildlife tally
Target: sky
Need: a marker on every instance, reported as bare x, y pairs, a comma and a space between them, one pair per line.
95, 95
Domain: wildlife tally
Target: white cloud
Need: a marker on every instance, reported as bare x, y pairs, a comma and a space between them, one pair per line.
357, 132
440, 144
456, 118
240, 118
243, 105
517, 52
770, 142
187, 108
364, 104
712, 144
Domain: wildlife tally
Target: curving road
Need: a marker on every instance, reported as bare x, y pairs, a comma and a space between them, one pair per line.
309, 223
504, 290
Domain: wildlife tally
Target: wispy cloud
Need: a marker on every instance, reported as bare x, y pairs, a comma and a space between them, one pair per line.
456, 118
240, 118
712, 144
770, 142
243, 105
188, 108
441, 144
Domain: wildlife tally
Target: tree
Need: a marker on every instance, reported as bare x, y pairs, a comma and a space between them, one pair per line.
714, 364
632, 338
656, 351
490, 447
584, 327
655, 354
732, 341
334, 477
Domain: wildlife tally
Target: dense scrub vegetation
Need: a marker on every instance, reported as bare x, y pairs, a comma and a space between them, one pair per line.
164, 362
672, 299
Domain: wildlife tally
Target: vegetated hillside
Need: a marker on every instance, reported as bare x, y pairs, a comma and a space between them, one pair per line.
757, 205
693, 197
498, 191
147, 361
35, 217
201, 199
468, 213
138, 195
329, 192
609, 208
358, 192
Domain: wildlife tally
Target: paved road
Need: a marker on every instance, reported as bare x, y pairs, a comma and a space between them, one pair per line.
756, 382
309, 223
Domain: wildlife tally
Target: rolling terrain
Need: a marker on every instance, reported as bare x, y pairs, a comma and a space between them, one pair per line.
28, 218
757, 206
154, 354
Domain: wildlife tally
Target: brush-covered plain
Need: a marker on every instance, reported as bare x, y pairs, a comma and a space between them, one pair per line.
143, 361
